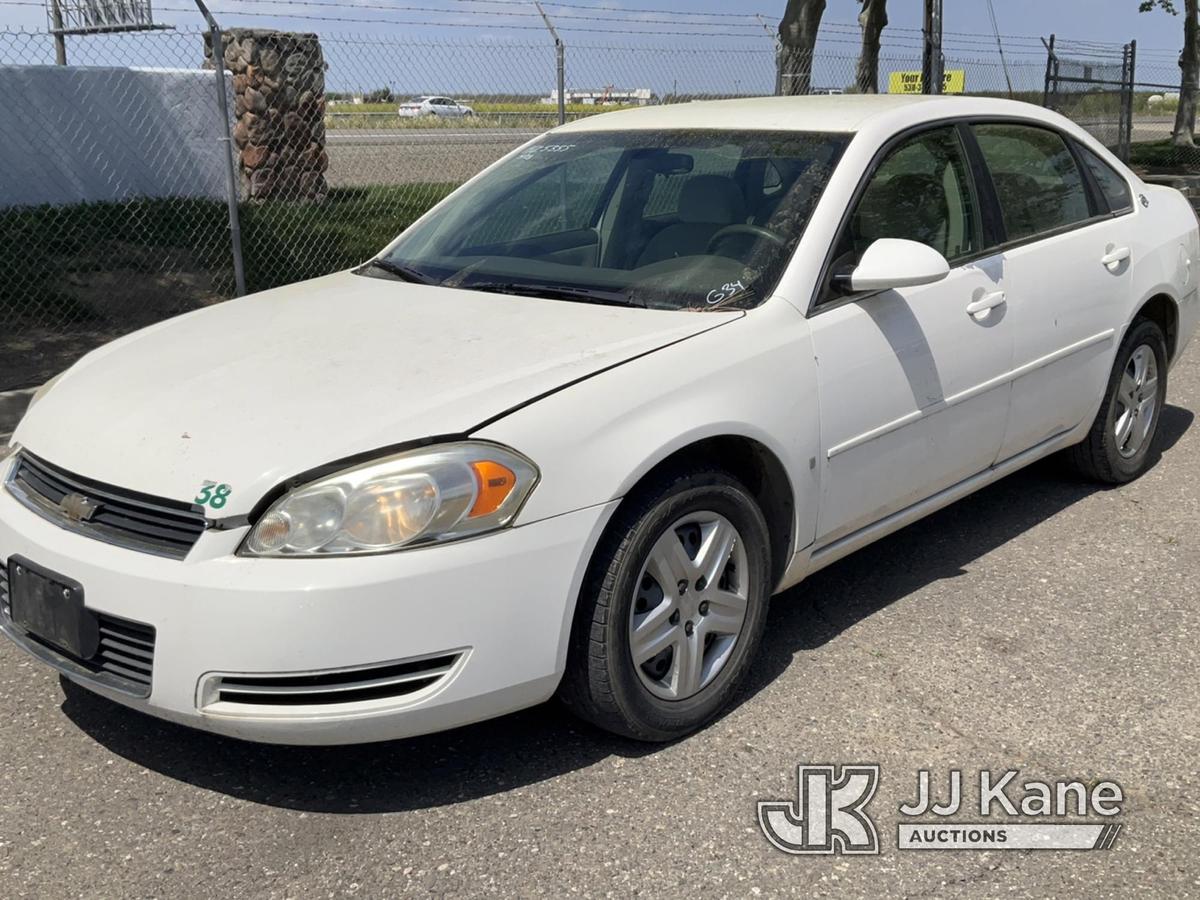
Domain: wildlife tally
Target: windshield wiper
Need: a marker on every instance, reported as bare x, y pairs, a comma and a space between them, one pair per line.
554, 292
401, 271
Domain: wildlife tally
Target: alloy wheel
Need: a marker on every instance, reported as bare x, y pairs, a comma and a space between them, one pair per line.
1136, 402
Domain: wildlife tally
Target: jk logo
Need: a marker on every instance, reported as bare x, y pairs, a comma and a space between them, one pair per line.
829, 815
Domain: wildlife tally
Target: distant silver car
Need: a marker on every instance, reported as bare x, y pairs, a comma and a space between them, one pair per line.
434, 106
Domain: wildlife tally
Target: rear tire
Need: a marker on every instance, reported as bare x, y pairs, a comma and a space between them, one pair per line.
681, 580
1119, 447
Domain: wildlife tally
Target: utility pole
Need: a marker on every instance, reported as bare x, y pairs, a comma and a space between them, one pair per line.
933, 66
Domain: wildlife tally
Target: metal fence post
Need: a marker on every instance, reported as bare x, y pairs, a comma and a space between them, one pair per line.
1127, 102
774, 36
60, 38
1049, 71
560, 54
235, 227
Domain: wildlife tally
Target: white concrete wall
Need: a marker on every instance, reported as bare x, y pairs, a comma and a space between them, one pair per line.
72, 134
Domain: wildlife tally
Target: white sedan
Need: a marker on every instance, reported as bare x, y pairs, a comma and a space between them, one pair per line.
571, 431
434, 106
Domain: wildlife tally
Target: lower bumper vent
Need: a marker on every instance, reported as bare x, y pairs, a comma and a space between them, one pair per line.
344, 686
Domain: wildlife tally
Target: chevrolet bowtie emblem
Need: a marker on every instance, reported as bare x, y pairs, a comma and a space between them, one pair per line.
78, 508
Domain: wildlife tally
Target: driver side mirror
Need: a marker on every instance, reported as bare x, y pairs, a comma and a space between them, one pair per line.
891, 263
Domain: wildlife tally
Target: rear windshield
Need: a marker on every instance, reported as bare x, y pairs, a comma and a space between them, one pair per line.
676, 220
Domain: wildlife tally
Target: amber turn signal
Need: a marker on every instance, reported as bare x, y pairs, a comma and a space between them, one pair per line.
495, 483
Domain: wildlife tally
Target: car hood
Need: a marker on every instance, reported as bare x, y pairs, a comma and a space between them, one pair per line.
254, 391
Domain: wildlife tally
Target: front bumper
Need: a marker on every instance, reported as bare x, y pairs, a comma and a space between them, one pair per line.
492, 613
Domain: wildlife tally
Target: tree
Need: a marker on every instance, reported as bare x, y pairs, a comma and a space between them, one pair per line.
1189, 65
382, 95
798, 38
873, 20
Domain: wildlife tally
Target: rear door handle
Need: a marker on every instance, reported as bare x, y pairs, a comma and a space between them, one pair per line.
1115, 257
980, 309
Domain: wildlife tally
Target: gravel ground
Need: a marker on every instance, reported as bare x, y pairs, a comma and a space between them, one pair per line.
1043, 625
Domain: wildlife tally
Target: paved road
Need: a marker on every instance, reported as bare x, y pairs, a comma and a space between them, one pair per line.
1042, 625
364, 157
360, 158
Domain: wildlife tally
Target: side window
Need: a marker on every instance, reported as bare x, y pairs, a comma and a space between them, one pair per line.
562, 200
1039, 186
920, 192
1113, 185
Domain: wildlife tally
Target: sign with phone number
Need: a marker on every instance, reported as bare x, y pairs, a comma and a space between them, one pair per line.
911, 82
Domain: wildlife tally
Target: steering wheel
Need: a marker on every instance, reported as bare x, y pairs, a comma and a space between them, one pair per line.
754, 230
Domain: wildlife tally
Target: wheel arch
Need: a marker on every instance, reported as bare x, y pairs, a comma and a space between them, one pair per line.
1161, 308
754, 464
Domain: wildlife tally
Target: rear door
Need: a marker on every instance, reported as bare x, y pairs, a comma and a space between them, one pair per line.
1068, 251
912, 387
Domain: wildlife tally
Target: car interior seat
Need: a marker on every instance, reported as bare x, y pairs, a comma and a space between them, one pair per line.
707, 203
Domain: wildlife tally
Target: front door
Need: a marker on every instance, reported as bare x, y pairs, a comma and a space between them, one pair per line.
912, 386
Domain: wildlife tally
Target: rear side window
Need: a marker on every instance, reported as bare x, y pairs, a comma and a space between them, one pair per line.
1112, 185
1038, 183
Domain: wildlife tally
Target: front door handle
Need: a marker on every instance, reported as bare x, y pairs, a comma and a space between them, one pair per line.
1114, 258
980, 309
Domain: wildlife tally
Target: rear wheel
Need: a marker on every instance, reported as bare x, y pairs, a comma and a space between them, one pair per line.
673, 608
1119, 446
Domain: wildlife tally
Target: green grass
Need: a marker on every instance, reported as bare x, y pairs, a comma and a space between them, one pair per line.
286, 241
1164, 155
56, 263
487, 115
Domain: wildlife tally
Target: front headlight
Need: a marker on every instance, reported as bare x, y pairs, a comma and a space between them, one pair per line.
431, 495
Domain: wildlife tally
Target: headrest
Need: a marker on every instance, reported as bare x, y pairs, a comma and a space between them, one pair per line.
712, 199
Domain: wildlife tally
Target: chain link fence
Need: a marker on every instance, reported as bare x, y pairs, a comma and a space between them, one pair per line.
115, 212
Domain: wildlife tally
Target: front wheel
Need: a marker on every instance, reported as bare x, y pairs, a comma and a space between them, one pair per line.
1118, 447
673, 608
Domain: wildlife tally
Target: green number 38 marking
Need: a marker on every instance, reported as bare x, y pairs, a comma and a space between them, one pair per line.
213, 495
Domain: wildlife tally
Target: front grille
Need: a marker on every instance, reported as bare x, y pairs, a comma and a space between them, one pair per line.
115, 515
343, 686
125, 660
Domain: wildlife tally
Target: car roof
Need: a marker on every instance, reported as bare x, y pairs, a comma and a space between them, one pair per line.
819, 113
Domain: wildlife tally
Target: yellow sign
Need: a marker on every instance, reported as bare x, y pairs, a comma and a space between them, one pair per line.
911, 83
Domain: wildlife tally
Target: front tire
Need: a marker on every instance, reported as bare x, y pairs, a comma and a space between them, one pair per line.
1119, 446
673, 608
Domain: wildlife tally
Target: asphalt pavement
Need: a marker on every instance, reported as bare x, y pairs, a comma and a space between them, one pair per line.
1043, 625
367, 157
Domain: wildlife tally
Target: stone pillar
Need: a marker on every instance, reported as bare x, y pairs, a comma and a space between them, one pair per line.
279, 111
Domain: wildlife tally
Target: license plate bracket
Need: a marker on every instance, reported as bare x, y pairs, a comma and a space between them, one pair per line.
50, 606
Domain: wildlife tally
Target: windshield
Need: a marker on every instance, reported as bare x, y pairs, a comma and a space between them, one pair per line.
669, 220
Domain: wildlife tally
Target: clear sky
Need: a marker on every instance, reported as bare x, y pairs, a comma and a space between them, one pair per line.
1114, 21
694, 46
